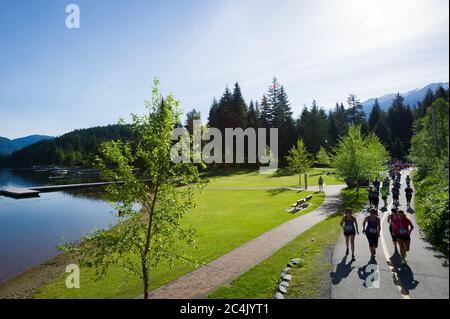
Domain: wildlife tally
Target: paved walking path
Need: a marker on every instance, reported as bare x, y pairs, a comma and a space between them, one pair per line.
426, 276
223, 270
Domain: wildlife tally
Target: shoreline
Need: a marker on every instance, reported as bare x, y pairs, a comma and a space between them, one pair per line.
25, 284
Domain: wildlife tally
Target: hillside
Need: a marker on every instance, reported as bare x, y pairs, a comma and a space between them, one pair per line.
75, 148
411, 97
8, 146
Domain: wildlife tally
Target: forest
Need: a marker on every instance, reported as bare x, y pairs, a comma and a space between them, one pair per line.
319, 129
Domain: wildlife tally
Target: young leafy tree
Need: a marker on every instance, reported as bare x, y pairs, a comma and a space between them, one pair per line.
358, 158
322, 157
298, 159
144, 235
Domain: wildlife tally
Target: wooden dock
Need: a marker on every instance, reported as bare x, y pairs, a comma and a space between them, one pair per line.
15, 192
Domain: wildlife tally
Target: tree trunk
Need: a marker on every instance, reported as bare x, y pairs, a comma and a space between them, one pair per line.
148, 237
144, 276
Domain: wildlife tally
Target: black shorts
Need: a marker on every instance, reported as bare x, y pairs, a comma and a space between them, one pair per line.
404, 238
408, 197
350, 233
373, 239
395, 197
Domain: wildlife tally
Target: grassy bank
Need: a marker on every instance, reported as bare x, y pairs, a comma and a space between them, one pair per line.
309, 281
224, 219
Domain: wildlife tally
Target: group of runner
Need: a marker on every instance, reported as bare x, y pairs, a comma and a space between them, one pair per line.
400, 227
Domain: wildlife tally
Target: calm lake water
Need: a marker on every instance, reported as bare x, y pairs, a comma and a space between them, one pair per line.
31, 228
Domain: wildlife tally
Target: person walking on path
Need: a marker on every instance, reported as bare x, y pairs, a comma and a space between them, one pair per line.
321, 183
372, 229
403, 231
350, 226
392, 220
376, 184
408, 193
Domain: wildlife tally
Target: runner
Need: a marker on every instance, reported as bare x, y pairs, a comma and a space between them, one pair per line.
403, 231
392, 220
386, 182
408, 192
371, 195
372, 231
376, 184
320, 183
350, 226
408, 181
375, 199
384, 191
395, 196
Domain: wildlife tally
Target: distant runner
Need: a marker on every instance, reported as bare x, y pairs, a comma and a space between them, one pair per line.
386, 182
376, 184
372, 231
403, 233
408, 181
384, 191
320, 184
392, 220
350, 226
395, 196
408, 192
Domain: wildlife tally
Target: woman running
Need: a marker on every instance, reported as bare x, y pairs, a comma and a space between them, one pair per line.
372, 231
392, 220
350, 226
403, 233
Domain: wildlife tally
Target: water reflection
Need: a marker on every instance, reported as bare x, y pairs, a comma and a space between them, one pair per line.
31, 228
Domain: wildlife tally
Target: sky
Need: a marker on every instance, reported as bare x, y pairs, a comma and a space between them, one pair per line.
54, 79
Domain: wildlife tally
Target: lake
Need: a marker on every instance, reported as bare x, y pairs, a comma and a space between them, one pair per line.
30, 229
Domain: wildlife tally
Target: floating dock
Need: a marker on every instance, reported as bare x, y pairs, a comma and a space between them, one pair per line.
15, 192
19, 192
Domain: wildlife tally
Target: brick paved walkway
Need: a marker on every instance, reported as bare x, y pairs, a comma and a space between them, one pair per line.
224, 269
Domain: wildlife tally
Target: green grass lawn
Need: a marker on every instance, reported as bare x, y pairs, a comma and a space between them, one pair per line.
224, 219
252, 178
308, 281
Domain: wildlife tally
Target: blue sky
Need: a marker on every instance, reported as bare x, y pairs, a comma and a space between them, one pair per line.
54, 79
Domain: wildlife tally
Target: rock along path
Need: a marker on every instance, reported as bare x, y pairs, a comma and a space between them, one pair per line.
224, 269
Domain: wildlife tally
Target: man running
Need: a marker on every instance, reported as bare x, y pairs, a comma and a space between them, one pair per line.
320, 183
403, 231
350, 226
392, 220
372, 231
408, 193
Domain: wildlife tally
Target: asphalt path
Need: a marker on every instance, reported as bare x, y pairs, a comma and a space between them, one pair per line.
425, 277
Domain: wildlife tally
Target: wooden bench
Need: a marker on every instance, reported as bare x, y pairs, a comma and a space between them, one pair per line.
299, 205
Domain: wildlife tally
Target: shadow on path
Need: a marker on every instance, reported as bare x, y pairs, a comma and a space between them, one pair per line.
343, 270
404, 273
367, 270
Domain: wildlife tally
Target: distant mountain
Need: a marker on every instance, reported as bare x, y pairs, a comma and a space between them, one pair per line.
78, 147
8, 146
411, 97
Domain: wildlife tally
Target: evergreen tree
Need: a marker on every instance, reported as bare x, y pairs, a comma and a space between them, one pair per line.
214, 118
266, 113
190, 118
400, 121
313, 128
355, 113
238, 116
252, 116
338, 125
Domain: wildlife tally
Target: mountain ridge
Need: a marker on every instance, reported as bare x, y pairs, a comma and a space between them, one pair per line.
8, 146
411, 97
